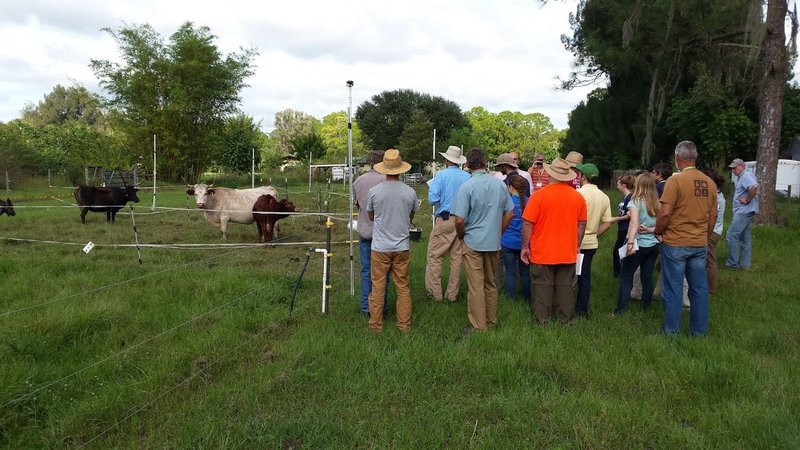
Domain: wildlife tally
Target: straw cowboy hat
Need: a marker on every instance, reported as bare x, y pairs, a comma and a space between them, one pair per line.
560, 170
507, 159
574, 158
454, 155
392, 164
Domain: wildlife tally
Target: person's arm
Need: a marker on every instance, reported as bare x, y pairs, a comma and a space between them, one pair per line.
712, 217
632, 228
748, 197
507, 220
664, 216
581, 232
603, 227
524, 253
411, 216
459, 227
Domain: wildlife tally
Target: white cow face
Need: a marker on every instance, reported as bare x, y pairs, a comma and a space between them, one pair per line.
201, 193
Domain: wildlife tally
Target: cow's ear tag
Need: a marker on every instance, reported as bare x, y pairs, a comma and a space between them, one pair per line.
88, 247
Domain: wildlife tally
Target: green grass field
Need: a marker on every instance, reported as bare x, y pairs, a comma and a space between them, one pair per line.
195, 348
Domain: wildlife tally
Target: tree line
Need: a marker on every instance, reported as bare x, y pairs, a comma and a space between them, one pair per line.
670, 70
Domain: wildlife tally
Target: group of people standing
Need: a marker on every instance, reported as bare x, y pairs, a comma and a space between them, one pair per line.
544, 225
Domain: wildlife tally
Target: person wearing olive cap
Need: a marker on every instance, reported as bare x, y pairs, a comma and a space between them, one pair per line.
598, 221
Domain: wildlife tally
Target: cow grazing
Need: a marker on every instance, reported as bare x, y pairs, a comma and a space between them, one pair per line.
223, 205
6, 207
266, 222
104, 199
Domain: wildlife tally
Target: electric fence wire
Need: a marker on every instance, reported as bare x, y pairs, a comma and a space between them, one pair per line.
119, 283
132, 347
190, 377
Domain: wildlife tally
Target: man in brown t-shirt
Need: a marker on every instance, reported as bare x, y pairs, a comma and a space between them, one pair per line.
685, 220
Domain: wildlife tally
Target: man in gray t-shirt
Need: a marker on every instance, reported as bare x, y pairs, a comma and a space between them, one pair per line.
391, 206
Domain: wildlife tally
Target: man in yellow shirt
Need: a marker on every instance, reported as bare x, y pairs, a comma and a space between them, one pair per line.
598, 221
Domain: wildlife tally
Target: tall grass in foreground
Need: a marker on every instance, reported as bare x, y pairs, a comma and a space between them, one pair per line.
194, 349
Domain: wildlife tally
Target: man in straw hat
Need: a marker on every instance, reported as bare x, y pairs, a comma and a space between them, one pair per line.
574, 158
443, 238
553, 225
483, 210
361, 187
507, 166
539, 177
391, 205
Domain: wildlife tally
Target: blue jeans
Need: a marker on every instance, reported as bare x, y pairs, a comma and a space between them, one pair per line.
739, 238
677, 263
585, 283
512, 264
646, 258
364, 253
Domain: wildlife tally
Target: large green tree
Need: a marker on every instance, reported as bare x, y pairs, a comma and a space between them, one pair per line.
180, 90
64, 105
416, 141
240, 136
509, 131
647, 52
289, 125
333, 132
385, 116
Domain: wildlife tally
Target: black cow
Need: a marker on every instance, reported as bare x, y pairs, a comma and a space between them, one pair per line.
6, 207
266, 222
104, 199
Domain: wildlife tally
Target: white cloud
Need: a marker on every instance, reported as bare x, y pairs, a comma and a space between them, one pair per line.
502, 55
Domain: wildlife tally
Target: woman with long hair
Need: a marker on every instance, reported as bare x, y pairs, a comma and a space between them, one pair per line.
641, 245
511, 243
625, 185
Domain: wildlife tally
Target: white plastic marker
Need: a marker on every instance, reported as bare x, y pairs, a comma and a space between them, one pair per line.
88, 247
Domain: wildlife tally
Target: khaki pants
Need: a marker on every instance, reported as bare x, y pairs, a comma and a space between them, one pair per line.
552, 290
479, 268
443, 240
381, 264
712, 272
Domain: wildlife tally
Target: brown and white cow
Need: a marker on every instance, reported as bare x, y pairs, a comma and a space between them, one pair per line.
223, 205
266, 222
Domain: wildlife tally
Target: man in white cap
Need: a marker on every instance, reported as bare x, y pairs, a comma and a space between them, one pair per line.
391, 206
443, 238
554, 222
745, 206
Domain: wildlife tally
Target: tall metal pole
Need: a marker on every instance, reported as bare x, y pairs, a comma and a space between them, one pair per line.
253, 170
350, 177
154, 171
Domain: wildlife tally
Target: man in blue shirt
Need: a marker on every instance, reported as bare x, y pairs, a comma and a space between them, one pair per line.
745, 206
483, 209
443, 239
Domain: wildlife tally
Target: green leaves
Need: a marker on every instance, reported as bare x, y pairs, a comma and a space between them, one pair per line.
181, 91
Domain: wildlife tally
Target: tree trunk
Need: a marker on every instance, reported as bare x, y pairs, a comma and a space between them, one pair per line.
771, 109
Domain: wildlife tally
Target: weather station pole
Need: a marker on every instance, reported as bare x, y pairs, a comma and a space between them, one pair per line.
350, 177
154, 172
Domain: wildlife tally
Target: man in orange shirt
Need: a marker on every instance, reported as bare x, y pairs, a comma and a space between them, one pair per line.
554, 222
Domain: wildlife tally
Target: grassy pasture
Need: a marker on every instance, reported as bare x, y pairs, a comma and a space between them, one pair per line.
193, 348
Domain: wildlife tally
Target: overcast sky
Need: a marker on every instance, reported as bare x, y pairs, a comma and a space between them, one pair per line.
499, 54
